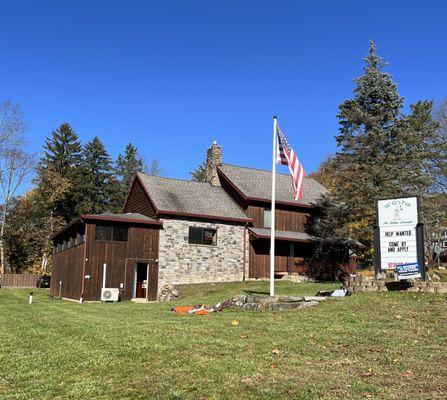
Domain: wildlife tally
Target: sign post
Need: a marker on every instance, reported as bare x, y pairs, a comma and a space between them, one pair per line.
398, 238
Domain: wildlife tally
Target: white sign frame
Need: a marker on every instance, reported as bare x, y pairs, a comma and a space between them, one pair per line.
397, 220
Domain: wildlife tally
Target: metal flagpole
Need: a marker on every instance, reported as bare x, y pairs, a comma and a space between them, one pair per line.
272, 213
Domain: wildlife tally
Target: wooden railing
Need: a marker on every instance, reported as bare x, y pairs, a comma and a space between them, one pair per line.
18, 280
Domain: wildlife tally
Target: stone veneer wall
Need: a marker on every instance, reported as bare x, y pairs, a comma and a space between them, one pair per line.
358, 283
180, 262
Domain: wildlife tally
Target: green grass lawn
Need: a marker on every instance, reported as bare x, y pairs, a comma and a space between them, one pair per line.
372, 345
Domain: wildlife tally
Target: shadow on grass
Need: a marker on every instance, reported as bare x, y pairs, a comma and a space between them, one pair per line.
398, 286
256, 292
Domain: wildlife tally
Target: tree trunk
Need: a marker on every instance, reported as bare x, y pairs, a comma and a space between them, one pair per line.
2, 246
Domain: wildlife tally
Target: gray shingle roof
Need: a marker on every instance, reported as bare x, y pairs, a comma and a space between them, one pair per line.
181, 196
257, 183
120, 217
283, 234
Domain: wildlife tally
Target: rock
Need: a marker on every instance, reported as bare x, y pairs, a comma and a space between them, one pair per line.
436, 277
168, 293
381, 276
314, 298
289, 299
442, 289
259, 299
297, 278
413, 289
239, 299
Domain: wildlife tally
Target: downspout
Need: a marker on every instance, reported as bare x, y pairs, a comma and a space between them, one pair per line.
84, 262
244, 253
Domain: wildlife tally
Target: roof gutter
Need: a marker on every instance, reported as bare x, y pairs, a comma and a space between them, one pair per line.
278, 237
206, 216
118, 219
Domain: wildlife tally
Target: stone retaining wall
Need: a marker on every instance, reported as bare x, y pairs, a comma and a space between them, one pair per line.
360, 283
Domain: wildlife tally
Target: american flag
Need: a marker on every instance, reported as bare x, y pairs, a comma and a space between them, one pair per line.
286, 156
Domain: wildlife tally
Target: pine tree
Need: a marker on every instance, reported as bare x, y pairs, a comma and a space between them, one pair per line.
61, 160
126, 168
198, 174
96, 183
382, 153
62, 150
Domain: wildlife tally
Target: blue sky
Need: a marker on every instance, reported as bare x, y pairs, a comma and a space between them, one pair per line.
172, 76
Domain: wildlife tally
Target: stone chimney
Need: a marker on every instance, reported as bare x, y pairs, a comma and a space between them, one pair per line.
213, 160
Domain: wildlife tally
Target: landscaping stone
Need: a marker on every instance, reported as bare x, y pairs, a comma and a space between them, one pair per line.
297, 278
275, 303
168, 293
315, 298
289, 299
359, 283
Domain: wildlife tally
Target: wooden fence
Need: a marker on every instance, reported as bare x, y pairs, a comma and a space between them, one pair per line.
18, 280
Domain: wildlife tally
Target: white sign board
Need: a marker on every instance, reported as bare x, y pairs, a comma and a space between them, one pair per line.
397, 225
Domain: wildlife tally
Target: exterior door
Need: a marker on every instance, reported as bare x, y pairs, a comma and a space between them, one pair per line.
141, 280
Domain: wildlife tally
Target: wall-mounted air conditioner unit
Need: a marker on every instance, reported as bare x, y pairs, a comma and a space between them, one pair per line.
109, 294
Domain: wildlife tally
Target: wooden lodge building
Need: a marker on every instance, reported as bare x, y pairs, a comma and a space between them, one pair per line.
175, 231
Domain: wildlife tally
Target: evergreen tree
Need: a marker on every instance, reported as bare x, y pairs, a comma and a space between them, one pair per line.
382, 153
96, 183
126, 168
61, 160
62, 150
198, 174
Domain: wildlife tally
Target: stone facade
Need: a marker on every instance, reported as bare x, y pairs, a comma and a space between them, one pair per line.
180, 262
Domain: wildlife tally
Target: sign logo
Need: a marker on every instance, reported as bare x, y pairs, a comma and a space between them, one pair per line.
408, 271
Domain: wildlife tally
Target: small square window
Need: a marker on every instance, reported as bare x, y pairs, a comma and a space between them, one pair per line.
120, 233
204, 236
103, 232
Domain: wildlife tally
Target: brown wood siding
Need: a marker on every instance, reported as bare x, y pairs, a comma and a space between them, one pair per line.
286, 219
67, 267
18, 280
138, 201
121, 257
284, 263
